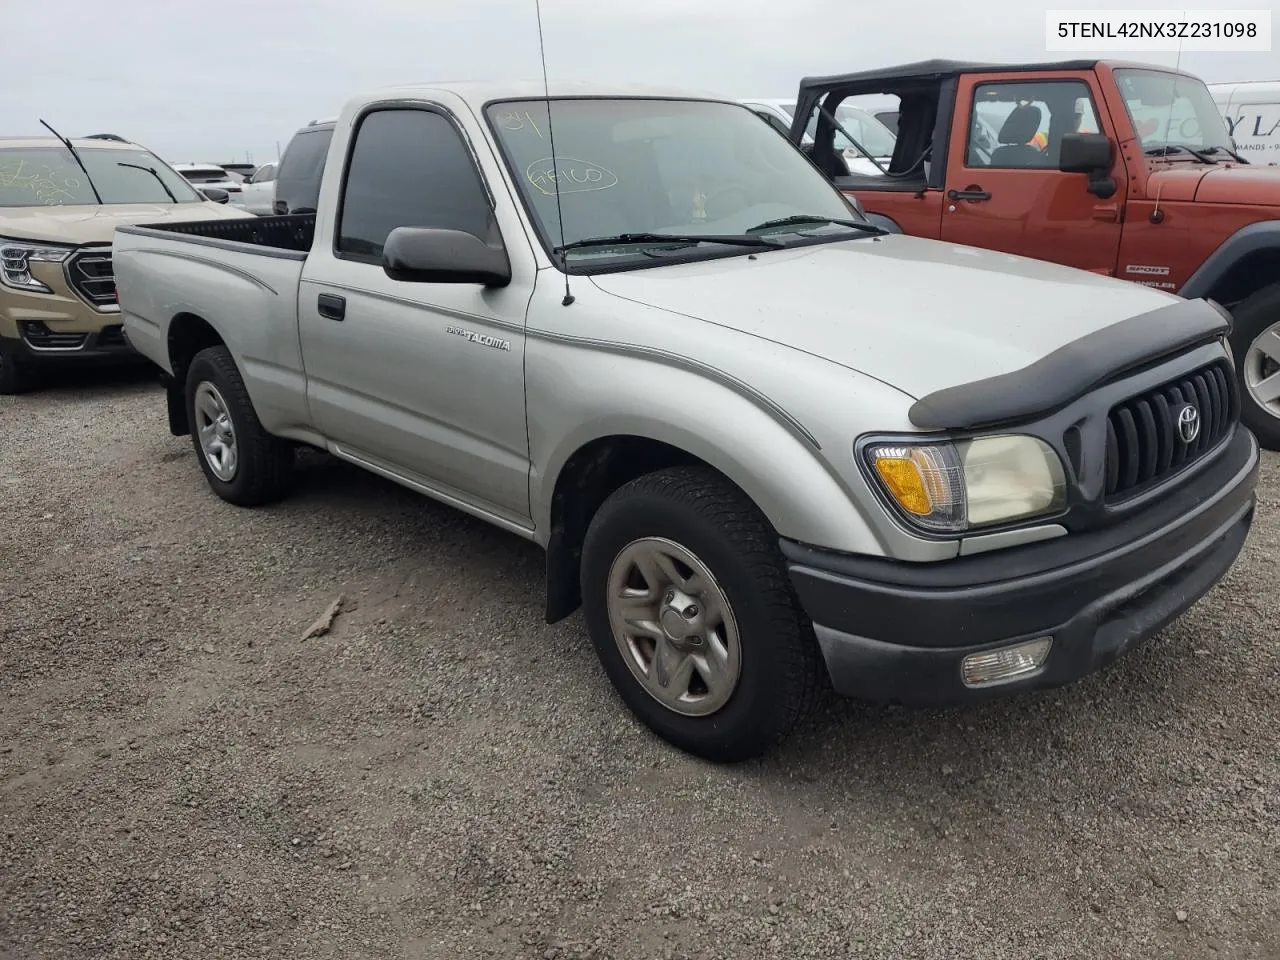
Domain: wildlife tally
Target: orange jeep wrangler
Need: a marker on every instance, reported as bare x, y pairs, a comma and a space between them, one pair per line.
1117, 168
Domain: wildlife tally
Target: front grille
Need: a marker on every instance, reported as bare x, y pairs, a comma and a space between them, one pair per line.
112, 336
1146, 434
90, 275
40, 337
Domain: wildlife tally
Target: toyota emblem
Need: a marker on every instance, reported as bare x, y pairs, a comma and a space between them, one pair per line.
1189, 423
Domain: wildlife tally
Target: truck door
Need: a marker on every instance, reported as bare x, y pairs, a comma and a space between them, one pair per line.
421, 381
1010, 195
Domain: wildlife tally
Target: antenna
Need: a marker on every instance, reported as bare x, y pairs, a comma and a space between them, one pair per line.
1173, 91
551, 135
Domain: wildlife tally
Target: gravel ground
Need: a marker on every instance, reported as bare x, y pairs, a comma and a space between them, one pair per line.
443, 775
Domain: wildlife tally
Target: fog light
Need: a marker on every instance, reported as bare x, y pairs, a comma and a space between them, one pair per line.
1008, 663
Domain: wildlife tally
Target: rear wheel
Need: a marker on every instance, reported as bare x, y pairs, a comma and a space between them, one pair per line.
1255, 341
692, 614
243, 463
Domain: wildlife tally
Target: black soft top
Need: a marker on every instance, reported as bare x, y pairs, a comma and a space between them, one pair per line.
938, 69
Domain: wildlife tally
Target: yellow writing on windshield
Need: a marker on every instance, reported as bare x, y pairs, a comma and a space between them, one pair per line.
44, 183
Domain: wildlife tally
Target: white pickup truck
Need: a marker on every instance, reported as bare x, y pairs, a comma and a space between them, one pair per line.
764, 444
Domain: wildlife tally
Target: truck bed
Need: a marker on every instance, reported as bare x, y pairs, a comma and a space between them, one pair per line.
294, 232
239, 277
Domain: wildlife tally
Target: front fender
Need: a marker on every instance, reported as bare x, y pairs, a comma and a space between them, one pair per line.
772, 459
1255, 238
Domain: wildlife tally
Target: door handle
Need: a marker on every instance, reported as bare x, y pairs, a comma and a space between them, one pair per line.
973, 194
332, 306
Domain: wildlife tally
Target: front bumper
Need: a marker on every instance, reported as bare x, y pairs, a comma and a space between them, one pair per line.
898, 632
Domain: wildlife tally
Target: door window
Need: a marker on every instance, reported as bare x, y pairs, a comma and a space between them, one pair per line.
409, 168
1021, 124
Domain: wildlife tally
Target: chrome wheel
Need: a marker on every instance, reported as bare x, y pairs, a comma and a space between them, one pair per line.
674, 627
1261, 369
217, 433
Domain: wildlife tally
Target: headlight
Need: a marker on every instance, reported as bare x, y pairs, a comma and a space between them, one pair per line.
16, 258
951, 487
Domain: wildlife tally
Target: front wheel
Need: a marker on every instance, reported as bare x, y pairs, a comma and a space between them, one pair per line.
243, 463
692, 614
1255, 341
16, 376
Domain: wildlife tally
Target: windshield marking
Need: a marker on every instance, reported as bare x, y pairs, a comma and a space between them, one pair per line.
546, 174
40, 183
514, 121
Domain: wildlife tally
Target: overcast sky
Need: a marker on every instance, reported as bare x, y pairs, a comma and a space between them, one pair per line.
219, 79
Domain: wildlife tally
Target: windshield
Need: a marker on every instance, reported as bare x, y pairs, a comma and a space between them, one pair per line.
679, 167
1169, 109
50, 177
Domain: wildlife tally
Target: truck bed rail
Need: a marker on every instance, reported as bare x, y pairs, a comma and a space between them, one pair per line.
289, 232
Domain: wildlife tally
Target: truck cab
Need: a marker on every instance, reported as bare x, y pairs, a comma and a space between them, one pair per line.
1120, 169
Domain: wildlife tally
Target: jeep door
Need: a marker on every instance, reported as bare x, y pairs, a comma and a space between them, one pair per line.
1011, 196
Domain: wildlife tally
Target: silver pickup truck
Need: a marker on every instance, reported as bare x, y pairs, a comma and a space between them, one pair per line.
764, 445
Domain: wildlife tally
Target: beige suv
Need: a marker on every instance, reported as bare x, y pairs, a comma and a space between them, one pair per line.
58, 212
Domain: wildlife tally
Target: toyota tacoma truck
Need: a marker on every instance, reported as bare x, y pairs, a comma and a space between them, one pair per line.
763, 443
1127, 170
60, 202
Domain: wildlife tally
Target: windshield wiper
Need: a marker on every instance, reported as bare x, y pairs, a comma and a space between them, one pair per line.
1229, 152
151, 170
733, 239
806, 218
80, 163
1169, 148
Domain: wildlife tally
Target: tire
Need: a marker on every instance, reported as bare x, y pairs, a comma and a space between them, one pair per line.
1256, 324
778, 669
15, 375
261, 470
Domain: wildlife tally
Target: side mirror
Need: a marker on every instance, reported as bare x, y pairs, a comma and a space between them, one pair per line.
1085, 153
216, 194
1089, 153
430, 255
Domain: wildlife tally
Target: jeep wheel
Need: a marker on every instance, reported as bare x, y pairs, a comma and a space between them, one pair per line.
15, 376
243, 463
692, 614
1256, 345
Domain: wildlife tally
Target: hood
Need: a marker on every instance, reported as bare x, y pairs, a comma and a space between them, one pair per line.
917, 314
1240, 184
1176, 183
1220, 183
74, 225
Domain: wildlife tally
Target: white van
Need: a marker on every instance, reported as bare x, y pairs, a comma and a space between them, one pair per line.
1252, 112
